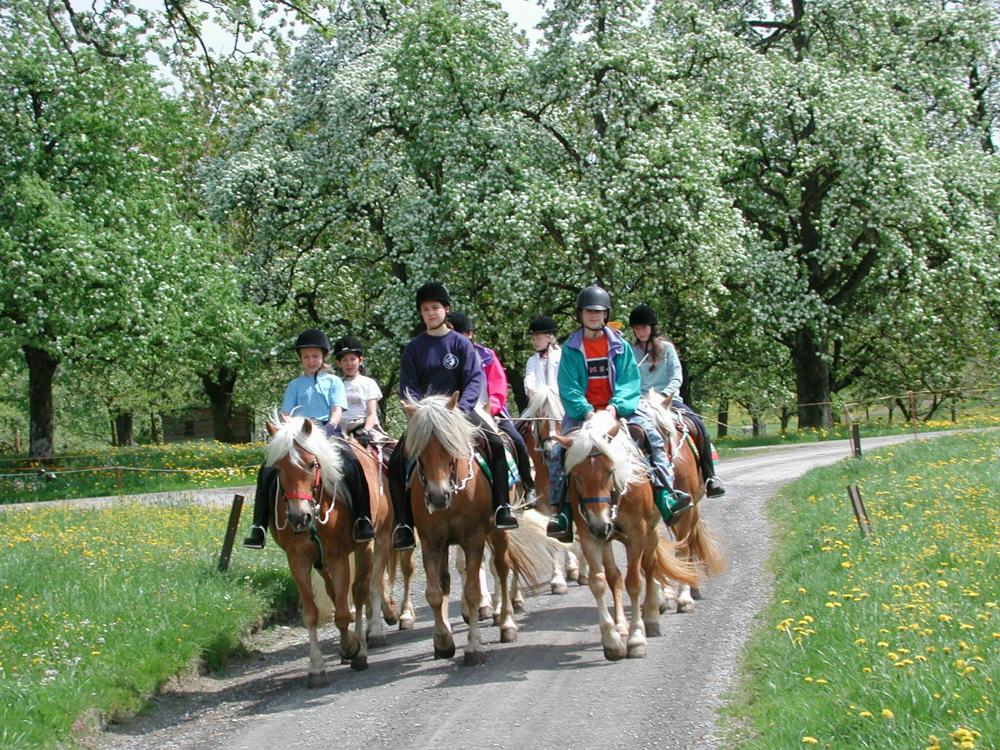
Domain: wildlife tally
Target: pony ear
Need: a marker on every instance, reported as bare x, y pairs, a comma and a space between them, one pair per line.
271, 429
409, 408
307, 426
563, 440
667, 400
453, 401
614, 430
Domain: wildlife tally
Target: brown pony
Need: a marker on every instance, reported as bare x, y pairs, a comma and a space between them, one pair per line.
314, 530
696, 543
610, 494
452, 505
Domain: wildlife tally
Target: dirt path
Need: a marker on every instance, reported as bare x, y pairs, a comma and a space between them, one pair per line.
552, 688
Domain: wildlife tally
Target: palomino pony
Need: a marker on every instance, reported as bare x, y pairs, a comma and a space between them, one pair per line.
696, 543
542, 419
610, 492
312, 523
452, 505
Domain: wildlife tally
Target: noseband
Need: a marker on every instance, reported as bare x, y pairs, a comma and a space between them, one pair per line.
313, 497
611, 499
453, 488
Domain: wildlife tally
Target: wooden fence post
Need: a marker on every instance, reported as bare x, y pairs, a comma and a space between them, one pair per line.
234, 524
860, 513
913, 410
856, 439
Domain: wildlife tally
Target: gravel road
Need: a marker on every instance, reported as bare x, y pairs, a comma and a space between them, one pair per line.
552, 688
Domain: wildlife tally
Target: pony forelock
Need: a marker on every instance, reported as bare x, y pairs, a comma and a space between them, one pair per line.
627, 462
289, 440
433, 418
653, 402
544, 402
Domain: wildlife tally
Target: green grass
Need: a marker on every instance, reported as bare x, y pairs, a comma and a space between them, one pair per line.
890, 643
176, 466
99, 608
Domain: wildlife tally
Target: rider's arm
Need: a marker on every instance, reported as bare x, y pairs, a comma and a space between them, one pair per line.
496, 385
338, 400
573, 385
530, 378
674, 373
627, 385
290, 400
409, 378
471, 377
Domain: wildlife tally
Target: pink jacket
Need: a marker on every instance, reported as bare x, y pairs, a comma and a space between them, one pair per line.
496, 380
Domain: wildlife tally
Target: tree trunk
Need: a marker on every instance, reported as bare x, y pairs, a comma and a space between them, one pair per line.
812, 382
17, 438
219, 389
786, 417
123, 428
954, 411
722, 429
759, 425
154, 428
891, 408
114, 432
41, 372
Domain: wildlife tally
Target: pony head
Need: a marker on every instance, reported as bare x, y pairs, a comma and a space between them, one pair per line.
441, 440
307, 463
545, 405
601, 462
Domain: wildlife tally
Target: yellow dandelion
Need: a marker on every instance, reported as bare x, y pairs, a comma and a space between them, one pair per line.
807, 740
888, 714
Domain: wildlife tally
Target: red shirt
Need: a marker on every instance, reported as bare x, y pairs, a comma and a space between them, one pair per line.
598, 374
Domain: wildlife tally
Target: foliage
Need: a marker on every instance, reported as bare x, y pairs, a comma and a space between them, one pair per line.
888, 643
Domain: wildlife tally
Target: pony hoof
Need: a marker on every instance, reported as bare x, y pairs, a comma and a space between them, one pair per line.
406, 623
390, 618
496, 620
508, 635
666, 605
519, 607
465, 618
685, 607
359, 662
696, 593
486, 613
376, 642
636, 651
559, 588
573, 574
316, 680
474, 658
614, 654
581, 579
653, 630
444, 653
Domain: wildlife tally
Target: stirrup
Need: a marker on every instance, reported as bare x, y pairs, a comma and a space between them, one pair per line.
403, 537
556, 530
362, 530
257, 538
714, 487
504, 518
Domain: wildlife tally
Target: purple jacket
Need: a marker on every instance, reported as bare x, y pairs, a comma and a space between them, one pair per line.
439, 366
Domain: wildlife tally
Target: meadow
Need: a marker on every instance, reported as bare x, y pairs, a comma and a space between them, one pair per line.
99, 608
887, 643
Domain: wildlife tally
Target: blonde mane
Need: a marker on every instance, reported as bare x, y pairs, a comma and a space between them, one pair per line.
290, 439
433, 418
544, 403
628, 464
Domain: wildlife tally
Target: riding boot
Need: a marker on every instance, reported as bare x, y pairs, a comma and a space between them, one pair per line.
402, 536
503, 515
671, 504
357, 485
560, 526
267, 477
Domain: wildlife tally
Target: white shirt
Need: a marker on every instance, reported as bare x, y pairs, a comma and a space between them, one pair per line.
360, 389
542, 371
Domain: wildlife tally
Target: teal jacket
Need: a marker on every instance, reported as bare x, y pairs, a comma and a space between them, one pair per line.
622, 369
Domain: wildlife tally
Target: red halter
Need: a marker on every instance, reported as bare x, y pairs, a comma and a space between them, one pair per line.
315, 487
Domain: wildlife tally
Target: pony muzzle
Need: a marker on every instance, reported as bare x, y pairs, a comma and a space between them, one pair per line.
599, 519
437, 498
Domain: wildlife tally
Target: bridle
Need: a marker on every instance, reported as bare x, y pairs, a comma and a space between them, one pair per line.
314, 497
453, 488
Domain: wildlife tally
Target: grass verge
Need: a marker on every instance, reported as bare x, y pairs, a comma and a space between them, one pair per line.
890, 643
129, 471
99, 608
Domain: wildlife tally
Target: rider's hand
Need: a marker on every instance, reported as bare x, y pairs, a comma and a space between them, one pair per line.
364, 437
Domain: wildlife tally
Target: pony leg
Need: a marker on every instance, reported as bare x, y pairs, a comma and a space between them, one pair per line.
614, 578
474, 652
633, 584
516, 595
350, 646
685, 602
461, 567
614, 647
508, 628
365, 602
301, 572
651, 603
407, 615
486, 607
438, 584
572, 566
375, 635
558, 583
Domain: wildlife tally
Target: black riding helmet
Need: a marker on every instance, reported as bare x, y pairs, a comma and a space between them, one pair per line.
543, 324
642, 315
347, 345
593, 297
313, 338
433, 290
460, 322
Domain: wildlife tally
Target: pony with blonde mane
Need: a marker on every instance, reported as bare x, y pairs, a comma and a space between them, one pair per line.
611, 497
311, 521
452, 506
696, 542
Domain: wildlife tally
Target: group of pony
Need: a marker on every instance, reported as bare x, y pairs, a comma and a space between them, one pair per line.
611, 497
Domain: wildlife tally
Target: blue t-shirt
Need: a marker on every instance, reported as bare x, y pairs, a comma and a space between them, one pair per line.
315, 397
439, 366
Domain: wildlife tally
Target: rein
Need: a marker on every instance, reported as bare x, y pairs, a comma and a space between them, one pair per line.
315, 499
